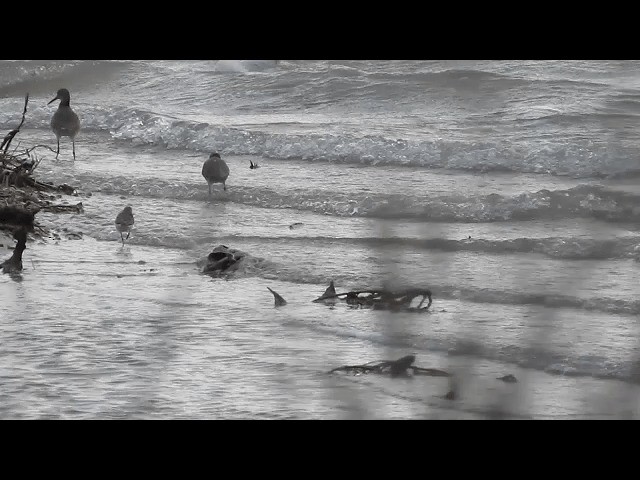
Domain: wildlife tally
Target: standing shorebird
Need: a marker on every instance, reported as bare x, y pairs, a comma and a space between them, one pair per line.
65, 122
124, 222
14, 264
215, 170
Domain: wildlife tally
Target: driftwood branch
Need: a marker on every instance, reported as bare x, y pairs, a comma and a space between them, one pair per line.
383, 299
394, 368
29, 150
9, 136
431, 372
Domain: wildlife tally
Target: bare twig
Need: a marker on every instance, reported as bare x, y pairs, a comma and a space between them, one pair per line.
29, 150
9, 136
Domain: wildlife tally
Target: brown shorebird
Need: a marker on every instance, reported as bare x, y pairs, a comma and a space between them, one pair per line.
215, 170
65, 122
124, 222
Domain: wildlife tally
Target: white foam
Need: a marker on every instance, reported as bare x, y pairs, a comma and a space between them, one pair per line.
244, 66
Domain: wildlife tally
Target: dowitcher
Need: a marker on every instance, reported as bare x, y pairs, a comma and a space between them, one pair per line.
65, 122
215, 170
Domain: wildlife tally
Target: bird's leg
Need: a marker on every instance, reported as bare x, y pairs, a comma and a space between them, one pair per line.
225, 186
58, 152
74, 148
209, 189
128, 233
122, 238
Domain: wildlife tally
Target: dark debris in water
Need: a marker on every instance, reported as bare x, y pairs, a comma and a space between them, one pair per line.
508, 379
382, 299
17, 216
403, 367
277, 298
222, 259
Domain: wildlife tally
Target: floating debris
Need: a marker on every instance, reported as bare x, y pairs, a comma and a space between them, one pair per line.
329, 295
394, 368
380, 299
508, 379
279, 301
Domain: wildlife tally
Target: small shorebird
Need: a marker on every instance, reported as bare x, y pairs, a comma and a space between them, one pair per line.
215, 170
65, 122
124, 222
14, 263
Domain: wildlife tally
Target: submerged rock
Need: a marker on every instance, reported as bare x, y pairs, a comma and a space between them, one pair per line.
222, 259
231, 262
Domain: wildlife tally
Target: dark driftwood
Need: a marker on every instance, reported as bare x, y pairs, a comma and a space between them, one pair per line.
383, 299
13, 215
394, 368
329, 294
77, 208
431, 372
49, 187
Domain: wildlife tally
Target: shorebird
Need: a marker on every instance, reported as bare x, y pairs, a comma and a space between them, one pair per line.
215, 170
65, 122
14, 263
124, 222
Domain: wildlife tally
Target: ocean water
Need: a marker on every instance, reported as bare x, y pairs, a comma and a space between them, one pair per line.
511, 189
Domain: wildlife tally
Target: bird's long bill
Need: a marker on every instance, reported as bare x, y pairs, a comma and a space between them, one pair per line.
53, 100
